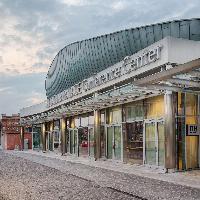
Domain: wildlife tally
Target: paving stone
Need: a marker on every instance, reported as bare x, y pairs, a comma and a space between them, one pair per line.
42, 177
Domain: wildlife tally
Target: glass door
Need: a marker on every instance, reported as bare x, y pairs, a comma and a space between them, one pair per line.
150, 143
73, 141
161, 143
154, 143
91, 142
117, 142
110, 142
114, 142
75, 146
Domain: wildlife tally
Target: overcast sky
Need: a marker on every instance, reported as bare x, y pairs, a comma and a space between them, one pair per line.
33, 31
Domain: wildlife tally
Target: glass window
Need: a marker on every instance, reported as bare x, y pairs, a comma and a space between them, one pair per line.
154, 107
114, 115
134, 111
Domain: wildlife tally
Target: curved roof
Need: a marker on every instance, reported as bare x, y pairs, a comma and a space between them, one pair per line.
82, 59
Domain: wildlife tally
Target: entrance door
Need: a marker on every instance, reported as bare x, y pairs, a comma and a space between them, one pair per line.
73, 141
114, 142
154, 142
91, 142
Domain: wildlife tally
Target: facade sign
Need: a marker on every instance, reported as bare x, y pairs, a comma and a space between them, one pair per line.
129, 64
192, 130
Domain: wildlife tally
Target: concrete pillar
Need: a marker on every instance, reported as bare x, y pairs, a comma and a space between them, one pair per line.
22, 137
44, 147
97, 136
170, 101
63, 135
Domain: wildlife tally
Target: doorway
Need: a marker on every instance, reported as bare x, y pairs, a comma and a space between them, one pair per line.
73, 141
114, 142
154, 142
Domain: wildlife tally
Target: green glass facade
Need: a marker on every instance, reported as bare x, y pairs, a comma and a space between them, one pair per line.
80, 60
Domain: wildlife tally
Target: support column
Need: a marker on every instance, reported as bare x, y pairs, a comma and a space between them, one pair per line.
63, 135
170, 129
51, 127
97, 136
22, 137
44, 147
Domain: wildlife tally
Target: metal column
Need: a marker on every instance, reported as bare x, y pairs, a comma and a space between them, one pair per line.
97, 137
63, 135
44, 147
170, 129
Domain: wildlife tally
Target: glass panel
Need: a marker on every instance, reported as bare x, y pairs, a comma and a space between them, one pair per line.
117, 143
84, 121
67, 140
154, 106
103, 141
150, 143
161, 144
91, 120
83, 141
76, 142
192, 142
91, 137
71, 136
135, 142
114, 115
181, 142
50, 141
56, 138
36, 140
109, 142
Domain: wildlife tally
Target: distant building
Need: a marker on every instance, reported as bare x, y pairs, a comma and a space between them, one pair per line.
10, 132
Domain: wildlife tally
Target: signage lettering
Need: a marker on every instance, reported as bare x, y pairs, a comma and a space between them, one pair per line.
129, 64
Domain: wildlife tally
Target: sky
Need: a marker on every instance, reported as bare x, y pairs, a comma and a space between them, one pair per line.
33, 31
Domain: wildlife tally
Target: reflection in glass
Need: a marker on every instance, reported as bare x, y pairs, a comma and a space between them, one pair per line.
134, 144
91, 144
83, 141
117, 142
161, 143
150, 143
109, 142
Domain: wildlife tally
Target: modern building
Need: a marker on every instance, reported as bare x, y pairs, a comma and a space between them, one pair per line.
10, 133
130, 96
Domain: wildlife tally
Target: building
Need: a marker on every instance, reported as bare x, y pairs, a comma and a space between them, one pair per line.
130, 96
10, 133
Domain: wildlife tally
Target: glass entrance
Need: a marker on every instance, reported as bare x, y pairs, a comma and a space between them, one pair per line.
154, 142
73, 141
114, 142
117, 142
161, 143
91, 142
150, 143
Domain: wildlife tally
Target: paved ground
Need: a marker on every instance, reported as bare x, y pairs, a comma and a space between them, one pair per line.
29, 176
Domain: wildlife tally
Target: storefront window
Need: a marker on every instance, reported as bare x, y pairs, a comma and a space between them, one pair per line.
102, 134
133, 111
77, 122
114, 115
134, 145
154, 107
192, 141
91, 119
84, 121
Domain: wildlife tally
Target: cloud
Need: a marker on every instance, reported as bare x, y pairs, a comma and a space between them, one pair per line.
33, 31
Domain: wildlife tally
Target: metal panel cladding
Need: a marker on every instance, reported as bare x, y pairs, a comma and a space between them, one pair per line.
83, 59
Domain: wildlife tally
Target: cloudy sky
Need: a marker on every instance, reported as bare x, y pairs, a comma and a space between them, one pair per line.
33, 31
